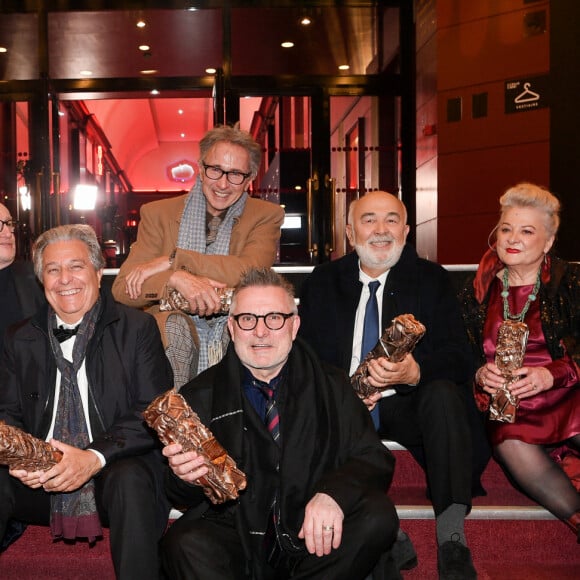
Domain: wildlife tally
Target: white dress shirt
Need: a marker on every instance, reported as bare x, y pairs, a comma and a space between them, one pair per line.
360, 317
83, 384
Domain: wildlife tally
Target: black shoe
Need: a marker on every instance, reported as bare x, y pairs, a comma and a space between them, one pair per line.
454, 562
403, 553
14, 529
385, 569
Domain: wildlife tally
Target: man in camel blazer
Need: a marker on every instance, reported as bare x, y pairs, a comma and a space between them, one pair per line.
198, 243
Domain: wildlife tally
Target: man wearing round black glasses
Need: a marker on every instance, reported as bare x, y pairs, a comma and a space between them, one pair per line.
191, 245
315, 504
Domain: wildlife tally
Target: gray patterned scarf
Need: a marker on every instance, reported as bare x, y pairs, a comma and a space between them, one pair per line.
74, 514
193, 236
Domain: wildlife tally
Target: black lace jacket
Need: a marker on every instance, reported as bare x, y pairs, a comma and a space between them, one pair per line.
559, 312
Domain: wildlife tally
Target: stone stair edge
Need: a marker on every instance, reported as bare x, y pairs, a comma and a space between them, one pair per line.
421, 512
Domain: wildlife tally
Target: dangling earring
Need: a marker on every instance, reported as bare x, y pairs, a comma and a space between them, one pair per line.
489, 244
545, 269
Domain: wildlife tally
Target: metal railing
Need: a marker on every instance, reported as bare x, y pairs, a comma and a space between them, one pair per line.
308, 268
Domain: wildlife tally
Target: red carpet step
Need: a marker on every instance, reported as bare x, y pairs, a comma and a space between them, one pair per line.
36, 557
503, 550
503, 547
510, 537
409, 486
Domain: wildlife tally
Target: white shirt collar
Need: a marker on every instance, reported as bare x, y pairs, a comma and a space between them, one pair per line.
365, 278
60, 322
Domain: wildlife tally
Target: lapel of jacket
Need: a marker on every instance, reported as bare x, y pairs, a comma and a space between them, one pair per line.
400, 294
28, 291
350, 288
175, 219
227, 417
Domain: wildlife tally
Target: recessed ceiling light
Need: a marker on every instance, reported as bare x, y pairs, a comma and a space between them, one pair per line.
141, 24
210, 71
154, 92
343, 67
86, 73
3, 49
287, 44
144, 47
305, 21
149, 71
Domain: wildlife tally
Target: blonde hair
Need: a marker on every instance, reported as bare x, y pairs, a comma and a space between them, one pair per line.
531, 195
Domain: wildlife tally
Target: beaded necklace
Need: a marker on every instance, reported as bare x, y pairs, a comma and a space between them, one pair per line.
510, 349
507, 315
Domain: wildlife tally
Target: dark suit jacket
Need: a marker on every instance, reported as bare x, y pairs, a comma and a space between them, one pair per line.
330, 296
126, 368
29, 295
327, 440
28, 288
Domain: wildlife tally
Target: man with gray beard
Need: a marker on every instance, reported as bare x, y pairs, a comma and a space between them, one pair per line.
422, 403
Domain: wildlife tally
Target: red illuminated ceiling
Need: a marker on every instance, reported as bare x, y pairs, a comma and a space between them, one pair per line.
244, 40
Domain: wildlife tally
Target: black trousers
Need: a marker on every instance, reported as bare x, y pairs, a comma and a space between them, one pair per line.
130, 500
432, 423
211, 549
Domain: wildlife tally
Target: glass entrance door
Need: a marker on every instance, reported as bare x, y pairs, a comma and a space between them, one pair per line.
315, 169
281, 124
365, 155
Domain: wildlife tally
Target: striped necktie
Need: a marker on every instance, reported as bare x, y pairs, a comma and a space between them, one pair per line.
272, 419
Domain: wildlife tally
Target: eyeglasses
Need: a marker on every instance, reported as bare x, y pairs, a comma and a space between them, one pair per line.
215, 173
272, 320
10, 224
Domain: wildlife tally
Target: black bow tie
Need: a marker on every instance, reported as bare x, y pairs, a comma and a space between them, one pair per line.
63, 334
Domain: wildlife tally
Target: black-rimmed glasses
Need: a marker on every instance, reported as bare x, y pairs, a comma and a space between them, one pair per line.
10, 224
215, 173
272, 320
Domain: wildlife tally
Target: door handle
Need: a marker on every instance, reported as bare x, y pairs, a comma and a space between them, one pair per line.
330, 186
312, 187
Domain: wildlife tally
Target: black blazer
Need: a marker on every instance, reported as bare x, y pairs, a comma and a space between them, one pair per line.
28, 288
328, 443
330, 296
126, 368
25, 295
